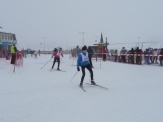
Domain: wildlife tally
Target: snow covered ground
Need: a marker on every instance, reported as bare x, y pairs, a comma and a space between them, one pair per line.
32, 94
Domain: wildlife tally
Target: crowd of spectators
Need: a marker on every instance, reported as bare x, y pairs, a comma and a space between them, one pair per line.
138, 56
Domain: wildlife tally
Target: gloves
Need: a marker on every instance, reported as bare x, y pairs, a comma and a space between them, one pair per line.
78, 68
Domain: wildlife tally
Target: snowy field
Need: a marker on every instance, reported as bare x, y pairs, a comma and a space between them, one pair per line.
32, 94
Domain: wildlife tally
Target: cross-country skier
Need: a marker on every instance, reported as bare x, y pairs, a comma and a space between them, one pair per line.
57, 54
83, 61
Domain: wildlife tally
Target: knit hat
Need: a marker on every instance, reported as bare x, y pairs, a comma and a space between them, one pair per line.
84, 48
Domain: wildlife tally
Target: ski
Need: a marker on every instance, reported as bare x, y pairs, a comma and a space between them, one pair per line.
61, 70
97, 86
82, 88
58, 70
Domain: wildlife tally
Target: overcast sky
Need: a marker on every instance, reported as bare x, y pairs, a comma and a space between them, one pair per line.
60, 21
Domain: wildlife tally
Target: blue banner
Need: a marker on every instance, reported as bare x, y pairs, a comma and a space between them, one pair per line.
4, 43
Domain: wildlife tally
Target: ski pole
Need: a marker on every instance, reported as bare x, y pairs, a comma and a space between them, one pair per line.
46, 63
14, 68
15, 62
73, 76
10, 70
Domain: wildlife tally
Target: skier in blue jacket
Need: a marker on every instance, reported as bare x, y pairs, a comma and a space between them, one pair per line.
83, 62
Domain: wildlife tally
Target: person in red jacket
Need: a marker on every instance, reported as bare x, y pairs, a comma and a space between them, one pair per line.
57, 54
104, 54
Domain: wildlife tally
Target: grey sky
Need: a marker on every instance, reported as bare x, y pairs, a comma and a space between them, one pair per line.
62, 20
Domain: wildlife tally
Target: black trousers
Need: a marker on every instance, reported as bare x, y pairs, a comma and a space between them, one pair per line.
154, 59
138, 60
56, 59
115, 58
104, 57
83, 72
132, 59
90, 61
123, 58
161, 60
13, 58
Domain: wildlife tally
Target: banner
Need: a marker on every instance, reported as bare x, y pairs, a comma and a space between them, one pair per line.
4, 43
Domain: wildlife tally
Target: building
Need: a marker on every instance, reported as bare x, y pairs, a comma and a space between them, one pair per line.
97, 48
6, 40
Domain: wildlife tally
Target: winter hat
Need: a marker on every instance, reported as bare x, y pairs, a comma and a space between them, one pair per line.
84, 48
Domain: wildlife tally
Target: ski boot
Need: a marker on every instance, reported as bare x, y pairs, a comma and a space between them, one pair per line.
81, 84
93, 83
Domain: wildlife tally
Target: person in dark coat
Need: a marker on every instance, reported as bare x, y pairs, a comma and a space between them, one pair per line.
123, 55
138, 52
90, 53
115, 55
131, 53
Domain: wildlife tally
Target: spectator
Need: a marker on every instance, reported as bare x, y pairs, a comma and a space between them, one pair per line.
138, 52
155, 56
131, 56
13, 53
146, 55
104, 54
78, 50
90, 53
151, 55
161, 57
39, 52
115, 55
123, 55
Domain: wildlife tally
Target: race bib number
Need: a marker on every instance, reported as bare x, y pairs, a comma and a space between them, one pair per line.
85, 58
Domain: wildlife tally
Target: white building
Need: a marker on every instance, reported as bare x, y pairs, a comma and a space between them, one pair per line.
6, 40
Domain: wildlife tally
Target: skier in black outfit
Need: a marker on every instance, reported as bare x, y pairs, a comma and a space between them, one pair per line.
90, 53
